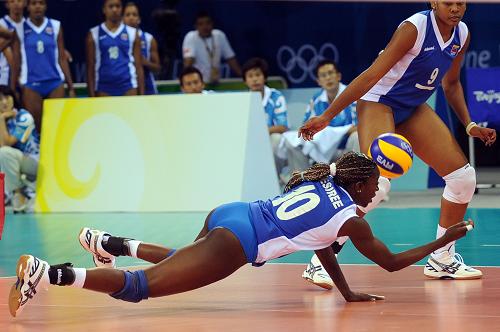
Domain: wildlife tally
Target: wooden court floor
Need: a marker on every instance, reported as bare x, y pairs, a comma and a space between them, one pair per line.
275, 298
271, 298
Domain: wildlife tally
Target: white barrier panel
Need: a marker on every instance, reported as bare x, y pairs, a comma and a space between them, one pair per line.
154, 153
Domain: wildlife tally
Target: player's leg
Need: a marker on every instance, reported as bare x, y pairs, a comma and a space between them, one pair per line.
435, 145
208, 260
105, 247
32, 101
203, 262
230, 233
131, 92
195, 265
102, 94
374, 119
58, 92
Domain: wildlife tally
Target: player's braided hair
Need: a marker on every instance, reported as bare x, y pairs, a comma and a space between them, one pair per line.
352, 167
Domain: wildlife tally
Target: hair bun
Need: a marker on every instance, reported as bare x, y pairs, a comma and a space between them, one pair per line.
333, 169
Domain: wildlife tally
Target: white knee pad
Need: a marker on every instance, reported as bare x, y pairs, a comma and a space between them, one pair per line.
384, 186
460, 185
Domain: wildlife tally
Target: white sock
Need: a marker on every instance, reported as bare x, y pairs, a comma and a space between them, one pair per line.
80, 276
450, 247
133, 245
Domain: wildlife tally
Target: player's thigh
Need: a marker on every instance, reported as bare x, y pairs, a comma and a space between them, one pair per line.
373, 119
432, 141
32, 100
101, 94
57, 92
131, 92
204, 231
211, 258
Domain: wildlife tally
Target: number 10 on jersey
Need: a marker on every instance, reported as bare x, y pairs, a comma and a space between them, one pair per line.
308, 201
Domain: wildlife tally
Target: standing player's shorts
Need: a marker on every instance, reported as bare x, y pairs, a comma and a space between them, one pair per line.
401, 114
44, 88
114, 89
235, 217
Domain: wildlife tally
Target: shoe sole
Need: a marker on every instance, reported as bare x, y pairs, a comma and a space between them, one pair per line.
15, 294
80, 239
90, 250
446, 276
84, 245
323, 285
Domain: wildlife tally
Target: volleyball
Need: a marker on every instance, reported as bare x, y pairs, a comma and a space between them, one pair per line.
393, 155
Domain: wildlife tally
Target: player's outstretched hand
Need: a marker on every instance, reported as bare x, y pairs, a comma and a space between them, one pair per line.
362, 297
459, 230
312, 126
487, 135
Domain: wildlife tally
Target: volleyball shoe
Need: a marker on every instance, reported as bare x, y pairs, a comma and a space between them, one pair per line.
32, 277
91, 241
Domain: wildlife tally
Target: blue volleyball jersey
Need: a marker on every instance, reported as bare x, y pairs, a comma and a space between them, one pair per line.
114, 52
7, 23
40, 52
22, 127
306, 218
274, 104
412, 80
319, 103
149, 79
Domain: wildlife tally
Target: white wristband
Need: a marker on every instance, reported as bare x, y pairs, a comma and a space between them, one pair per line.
469, 227
471, 125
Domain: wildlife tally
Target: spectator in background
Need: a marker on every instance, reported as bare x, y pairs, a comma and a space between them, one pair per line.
15, 17
149, 48
191, 81
114, 66
340, 137
19, 148
205, 47
43, 68
10, 57
273, 102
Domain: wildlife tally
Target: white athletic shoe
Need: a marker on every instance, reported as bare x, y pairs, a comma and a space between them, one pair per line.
32, 276
446, 266
91, 240
316, 274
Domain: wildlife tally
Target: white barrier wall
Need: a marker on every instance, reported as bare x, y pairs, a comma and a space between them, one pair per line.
154, 153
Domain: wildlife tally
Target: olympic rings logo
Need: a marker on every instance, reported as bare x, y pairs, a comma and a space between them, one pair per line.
298, 66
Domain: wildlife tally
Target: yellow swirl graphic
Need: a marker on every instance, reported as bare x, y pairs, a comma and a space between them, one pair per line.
72, 118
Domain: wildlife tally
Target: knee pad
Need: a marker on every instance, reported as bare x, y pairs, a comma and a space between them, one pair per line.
460, 185
384, 186
135, 288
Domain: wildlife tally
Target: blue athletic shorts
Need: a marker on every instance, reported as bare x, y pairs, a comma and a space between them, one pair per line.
44, 88
401, 114
114, 89
236, 218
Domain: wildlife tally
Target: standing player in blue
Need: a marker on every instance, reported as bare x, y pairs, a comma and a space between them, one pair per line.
44, 68
10, 57
426, 51
149, 48
318, 206
114, 66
